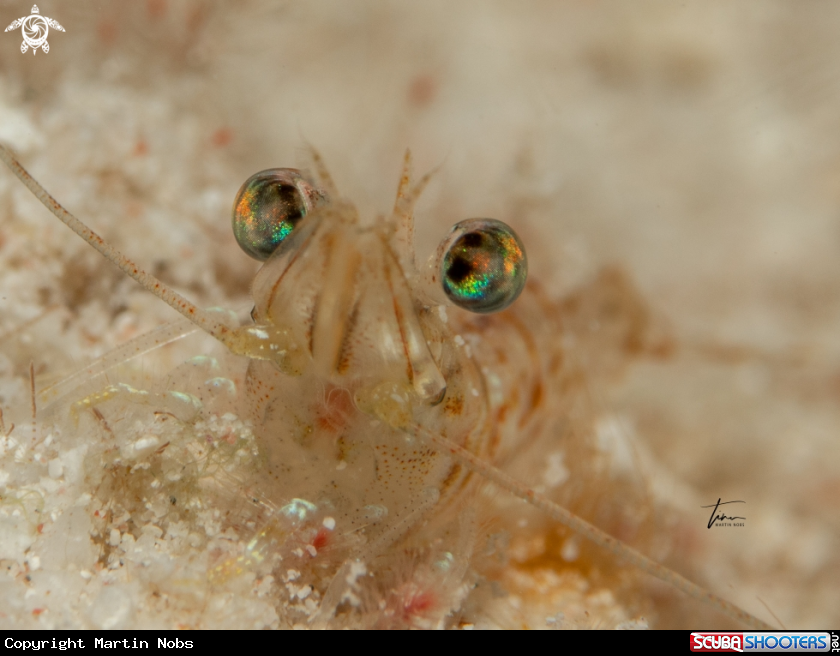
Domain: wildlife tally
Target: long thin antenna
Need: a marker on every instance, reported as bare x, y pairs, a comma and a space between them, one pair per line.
32, 400
770, 610
3, 426
584, 528
402, 217
202, 319
324, 180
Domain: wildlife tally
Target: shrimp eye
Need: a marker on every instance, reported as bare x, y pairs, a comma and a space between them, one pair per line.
484, 267
268, 207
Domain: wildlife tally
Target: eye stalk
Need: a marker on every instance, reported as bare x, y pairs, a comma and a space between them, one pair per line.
483, 266
268, 207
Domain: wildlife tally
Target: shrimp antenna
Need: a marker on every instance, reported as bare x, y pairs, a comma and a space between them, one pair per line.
403, 214
322, 174
203, 319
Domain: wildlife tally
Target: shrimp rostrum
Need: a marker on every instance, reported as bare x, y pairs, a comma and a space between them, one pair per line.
360, 414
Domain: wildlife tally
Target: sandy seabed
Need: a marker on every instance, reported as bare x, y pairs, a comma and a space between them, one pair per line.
694, 147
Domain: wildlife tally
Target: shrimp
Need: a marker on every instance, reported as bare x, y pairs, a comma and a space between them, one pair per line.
358, 416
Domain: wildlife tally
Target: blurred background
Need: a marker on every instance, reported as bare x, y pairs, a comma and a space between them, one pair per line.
694, 145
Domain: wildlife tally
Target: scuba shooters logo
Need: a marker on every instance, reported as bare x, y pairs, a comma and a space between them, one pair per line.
35, 29
765, 641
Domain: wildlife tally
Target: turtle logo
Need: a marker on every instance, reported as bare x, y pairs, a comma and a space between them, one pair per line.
35, 29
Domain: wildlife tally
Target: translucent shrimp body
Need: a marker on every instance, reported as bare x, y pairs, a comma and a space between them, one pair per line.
362, 362
353, 431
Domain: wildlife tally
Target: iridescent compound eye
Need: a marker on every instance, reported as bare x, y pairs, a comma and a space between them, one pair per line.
268, 207
484, 267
